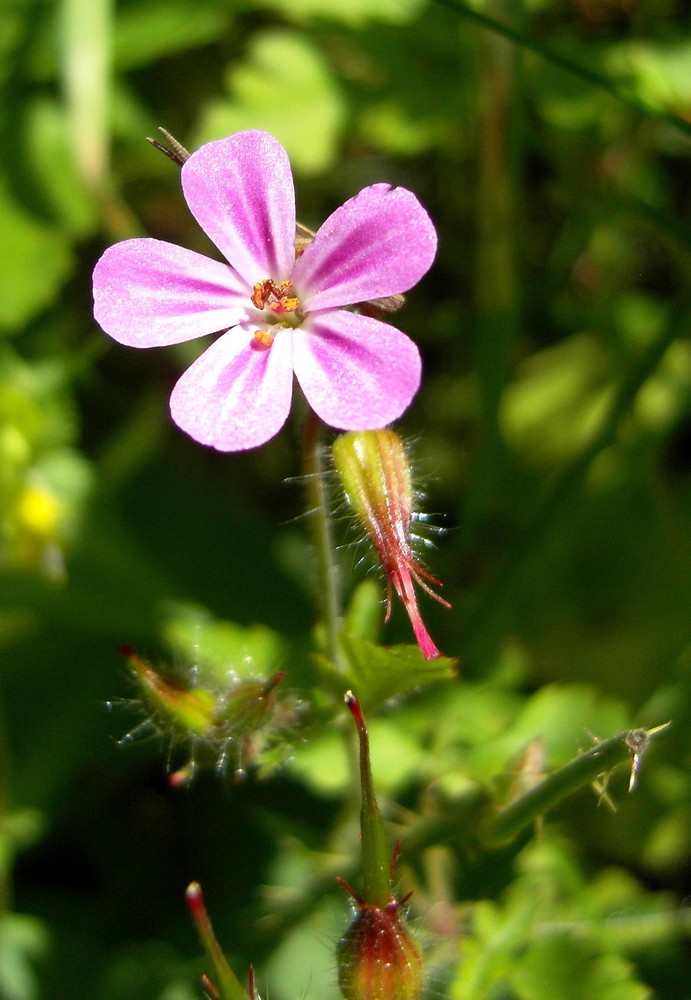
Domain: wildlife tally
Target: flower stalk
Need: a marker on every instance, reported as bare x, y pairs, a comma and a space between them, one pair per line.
327, 587
377, 957
375, 855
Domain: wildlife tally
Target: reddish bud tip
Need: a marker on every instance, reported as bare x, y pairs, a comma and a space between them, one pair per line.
210, 987
195, 901
355, 709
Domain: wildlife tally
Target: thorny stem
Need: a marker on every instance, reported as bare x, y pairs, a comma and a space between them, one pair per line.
461, 823
583, 770
327, 583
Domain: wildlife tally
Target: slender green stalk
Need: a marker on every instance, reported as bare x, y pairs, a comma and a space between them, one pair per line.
327, 587
497, 280
583, 770
226, 984
375, 855
565, 63
498, 595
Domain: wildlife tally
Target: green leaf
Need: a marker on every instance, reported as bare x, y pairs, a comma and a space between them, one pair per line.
221, 647
52, 164
395, 756
285, 87
565, 966
488, 952
23, 939
657, 74
36, 261
354, 12
145, 32
378, 674
557, 403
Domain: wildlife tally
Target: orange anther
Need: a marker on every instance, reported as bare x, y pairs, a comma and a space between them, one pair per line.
264, 338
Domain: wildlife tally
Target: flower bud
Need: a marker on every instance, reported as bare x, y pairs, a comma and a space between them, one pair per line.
375, 474
219, 724
377, 957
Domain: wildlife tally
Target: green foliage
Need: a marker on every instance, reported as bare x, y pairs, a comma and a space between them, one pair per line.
556, 926
285, 87
550, 144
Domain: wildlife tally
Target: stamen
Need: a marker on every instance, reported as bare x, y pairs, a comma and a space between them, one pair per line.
262, 338
261, 292
284, 306
278, 298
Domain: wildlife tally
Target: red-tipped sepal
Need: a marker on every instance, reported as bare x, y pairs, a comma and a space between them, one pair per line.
375, 474
226, 985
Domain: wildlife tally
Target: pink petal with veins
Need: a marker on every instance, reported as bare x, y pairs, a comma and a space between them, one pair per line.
240, 191
378, 243
356, 373
237, 394
149, 294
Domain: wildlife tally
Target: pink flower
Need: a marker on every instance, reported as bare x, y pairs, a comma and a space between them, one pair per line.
278, 315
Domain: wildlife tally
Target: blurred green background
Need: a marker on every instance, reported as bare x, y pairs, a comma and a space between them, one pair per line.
550, 142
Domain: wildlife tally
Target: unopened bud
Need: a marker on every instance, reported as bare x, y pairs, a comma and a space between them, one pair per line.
375, 474
377, 957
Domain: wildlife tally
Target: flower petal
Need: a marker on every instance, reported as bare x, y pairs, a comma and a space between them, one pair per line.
357, 373
148, 294
240, 191
237, 394
379, 243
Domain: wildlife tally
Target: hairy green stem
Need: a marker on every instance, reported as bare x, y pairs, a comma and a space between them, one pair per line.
327, 587
583, 770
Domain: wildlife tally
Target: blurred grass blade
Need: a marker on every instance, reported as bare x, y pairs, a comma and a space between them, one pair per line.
86, 36
565, 63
